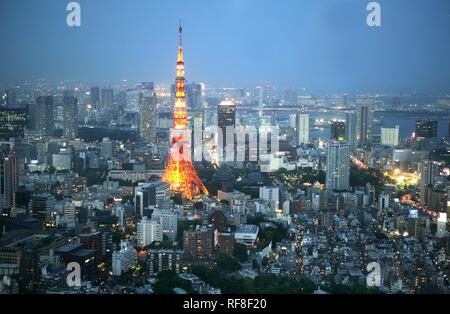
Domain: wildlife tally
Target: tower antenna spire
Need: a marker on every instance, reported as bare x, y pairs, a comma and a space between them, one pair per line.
180, 31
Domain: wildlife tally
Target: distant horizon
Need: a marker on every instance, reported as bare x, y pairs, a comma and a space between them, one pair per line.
326, 47
307, 91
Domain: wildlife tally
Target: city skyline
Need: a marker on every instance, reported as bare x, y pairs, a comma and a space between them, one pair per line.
149, 187
325, 47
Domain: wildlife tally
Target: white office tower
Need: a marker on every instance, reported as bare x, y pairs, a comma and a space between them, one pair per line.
148, 231
123, 259
338, 166
390, 136
270, 194
168, 221
441, 225
302, 128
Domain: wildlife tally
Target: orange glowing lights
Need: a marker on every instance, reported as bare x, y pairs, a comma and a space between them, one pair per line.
180, 172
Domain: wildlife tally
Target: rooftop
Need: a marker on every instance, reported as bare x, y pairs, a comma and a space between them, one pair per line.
247, 229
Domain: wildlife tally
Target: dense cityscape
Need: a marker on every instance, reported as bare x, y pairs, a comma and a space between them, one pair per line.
294, 192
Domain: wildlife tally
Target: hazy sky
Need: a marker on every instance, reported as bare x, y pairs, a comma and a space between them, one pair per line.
320, 44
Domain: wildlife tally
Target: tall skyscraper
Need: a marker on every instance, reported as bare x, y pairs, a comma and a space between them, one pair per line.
426, 129
350, 130
338, 166
70, 117
302, 128
147, 117
121, 103
226, 117
428, 172
107, 98
43, 115
337, 130
9, 179
95, 97
194, 96
260, 98
180, 171
364, 123
390, 136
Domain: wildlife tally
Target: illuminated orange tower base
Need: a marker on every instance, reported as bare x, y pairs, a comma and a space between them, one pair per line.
184, 179
180, 171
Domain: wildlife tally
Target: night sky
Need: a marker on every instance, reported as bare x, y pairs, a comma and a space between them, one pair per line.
320, 44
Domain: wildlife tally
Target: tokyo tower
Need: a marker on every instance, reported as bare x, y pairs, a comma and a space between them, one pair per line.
180, 171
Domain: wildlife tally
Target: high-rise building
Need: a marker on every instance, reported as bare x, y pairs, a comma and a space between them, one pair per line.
291, 97
180, 171
70, 213
123, 259
147, 121
260, 98
426, 129
70, 117
428, 171
302, 128
121, 103
13, 122
396, 102
150, 194
390, 136
41, 207
345, 100
148, 231
364, 122
162, 260
107, 99
9, 179
226, 117
350, 130
337, 130
270, 194
383, 201
148, 85
169, 222
199, 241
338, 166
194, 96
95, 97
43, 115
